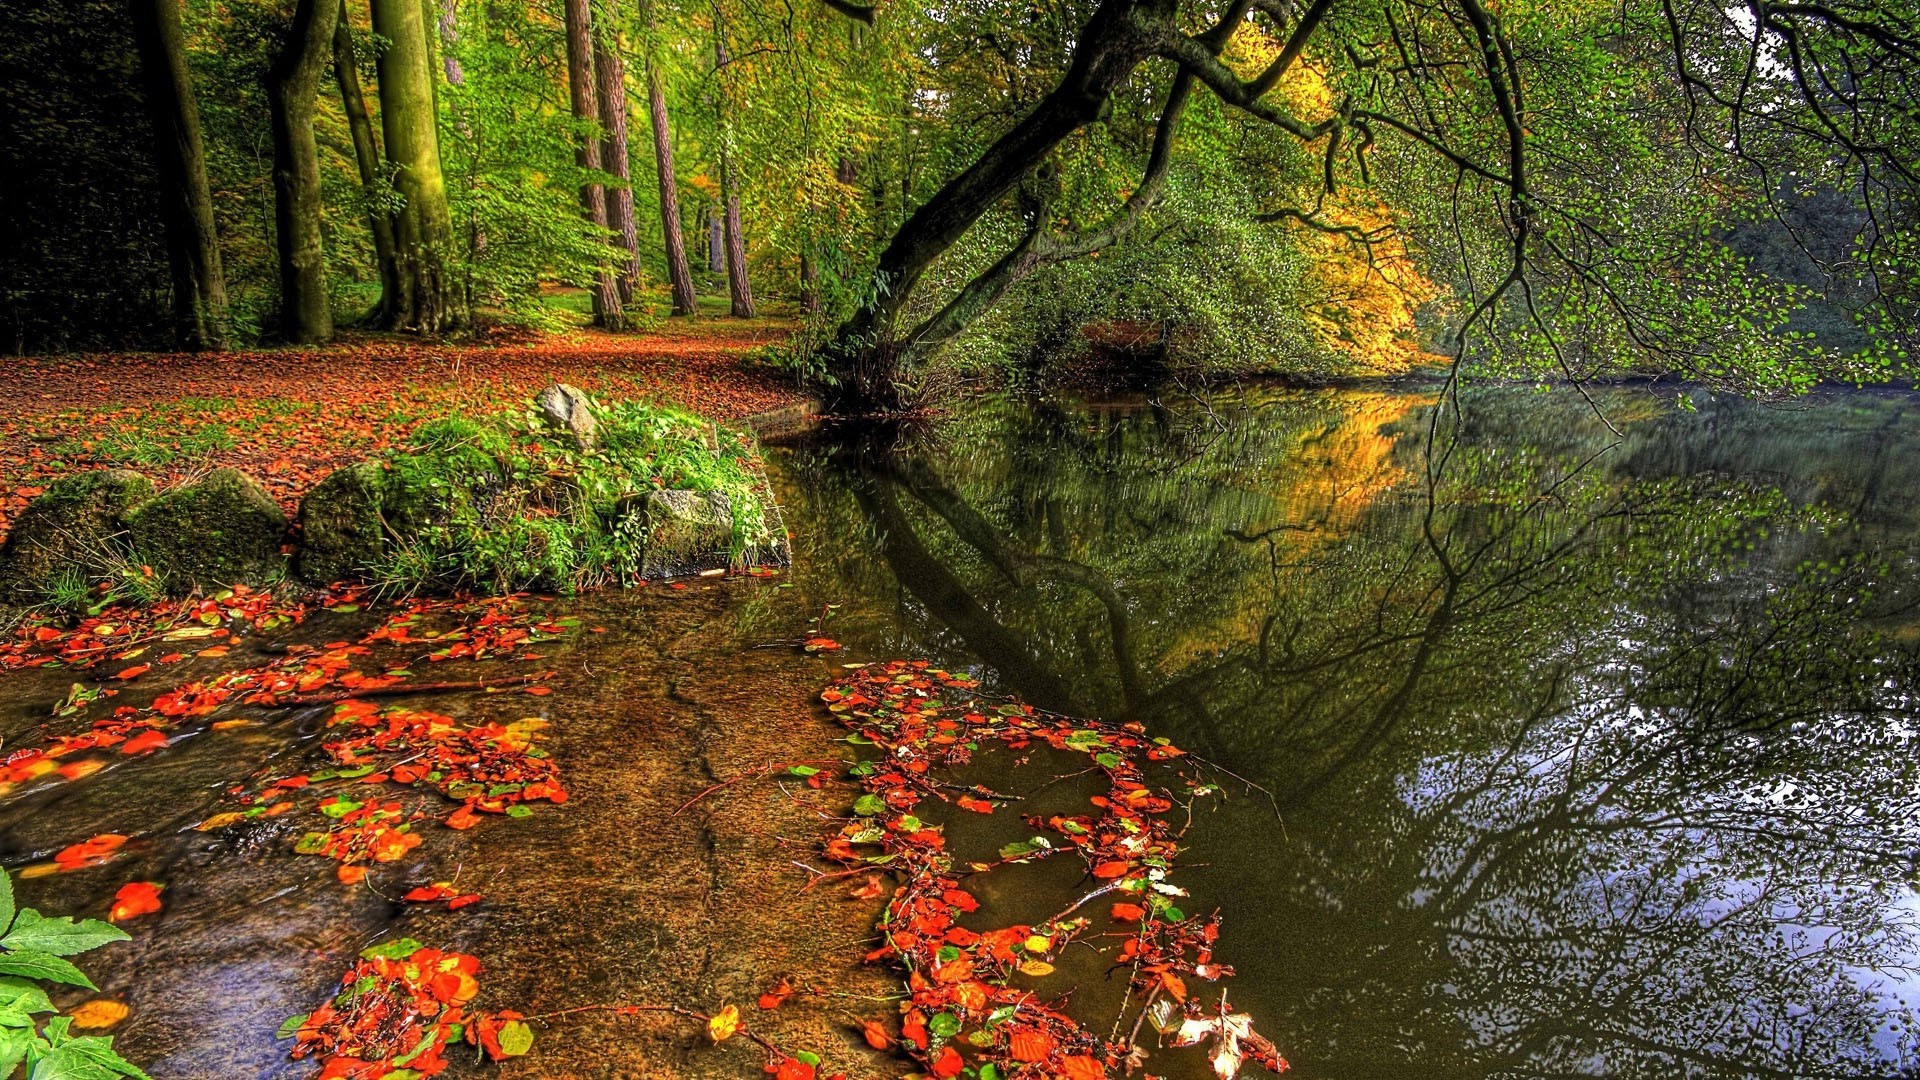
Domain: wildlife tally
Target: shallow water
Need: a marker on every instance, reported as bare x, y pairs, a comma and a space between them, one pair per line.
1561, 752
1555, 753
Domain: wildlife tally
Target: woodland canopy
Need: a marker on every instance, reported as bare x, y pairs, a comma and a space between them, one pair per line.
1330, 187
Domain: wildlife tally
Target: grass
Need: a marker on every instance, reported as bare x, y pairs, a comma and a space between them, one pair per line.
500, 502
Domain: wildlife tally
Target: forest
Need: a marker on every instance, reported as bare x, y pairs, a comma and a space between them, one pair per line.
1725, 193
984, 540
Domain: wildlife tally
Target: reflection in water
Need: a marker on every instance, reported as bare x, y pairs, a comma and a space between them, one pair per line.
1591, 755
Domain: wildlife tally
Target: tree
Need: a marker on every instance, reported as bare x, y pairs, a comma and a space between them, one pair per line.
674, 238
739, 289
193, 247
610, 74
581, 88
306, 317
430, 299
1569, 166
366, 157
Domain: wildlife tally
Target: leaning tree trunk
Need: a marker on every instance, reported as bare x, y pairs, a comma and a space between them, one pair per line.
193, 247
431, 300
863, 360
292, 85
580, 84
610, 75
738, 287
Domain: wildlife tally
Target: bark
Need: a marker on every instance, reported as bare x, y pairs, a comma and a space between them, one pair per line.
716, 244
293, 83
607, 312
431, 300
610, 74
678, 273
366, 156
867, 351
193, 246
739, 289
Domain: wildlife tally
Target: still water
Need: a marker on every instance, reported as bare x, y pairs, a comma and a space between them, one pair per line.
1549, 745
1561, 751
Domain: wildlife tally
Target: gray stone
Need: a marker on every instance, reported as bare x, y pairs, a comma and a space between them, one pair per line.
222, 530
342, 533
567, 408
684, 532
76, 525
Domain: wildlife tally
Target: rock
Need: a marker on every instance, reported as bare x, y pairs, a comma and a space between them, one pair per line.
684, 532
76, 525
342, 533
223, 530
567, 408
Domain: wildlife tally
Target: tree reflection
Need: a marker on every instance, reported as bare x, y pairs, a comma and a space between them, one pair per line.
1591, 759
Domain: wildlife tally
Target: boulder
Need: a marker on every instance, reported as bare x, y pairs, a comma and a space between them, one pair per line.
76, 525
568, 409
342, 533
222, 530
683, 532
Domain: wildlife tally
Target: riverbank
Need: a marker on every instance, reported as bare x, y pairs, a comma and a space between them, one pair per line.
290, 416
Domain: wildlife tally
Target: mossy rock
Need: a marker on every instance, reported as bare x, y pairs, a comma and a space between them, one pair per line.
75, 526
342, 533
223, 530
684, 532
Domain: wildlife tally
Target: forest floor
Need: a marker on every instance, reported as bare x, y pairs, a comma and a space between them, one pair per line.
288, 416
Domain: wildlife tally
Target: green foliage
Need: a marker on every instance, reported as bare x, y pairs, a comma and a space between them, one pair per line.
502, 502
33, 949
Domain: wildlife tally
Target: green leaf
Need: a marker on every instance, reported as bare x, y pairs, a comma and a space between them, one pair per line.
23, 997
290, 1026
397, 949
312, 843
13, 1049
1107, 761
60, 937
519, 811
868, 805
43, 966
802, 770
516, 1038
90, 1057
6, 905
946, 1025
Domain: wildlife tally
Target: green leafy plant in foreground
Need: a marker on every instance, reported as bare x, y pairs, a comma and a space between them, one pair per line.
33, 949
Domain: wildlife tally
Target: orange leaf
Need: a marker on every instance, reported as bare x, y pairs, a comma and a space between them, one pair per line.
134, 899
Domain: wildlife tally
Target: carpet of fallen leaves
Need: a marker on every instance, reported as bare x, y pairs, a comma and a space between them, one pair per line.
290, 416
974, 1002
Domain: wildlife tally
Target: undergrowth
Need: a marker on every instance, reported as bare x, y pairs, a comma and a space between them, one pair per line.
502, 502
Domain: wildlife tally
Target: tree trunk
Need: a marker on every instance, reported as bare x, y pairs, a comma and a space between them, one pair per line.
716, 244
431, 300
809, 278
678, 273
193, 247
366, 155
738, 288
610, 74
292, 84
863, 360
607, 313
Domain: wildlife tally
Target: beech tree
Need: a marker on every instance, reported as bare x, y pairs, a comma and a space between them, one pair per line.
430, 300
583, 94
306, 316
193, 247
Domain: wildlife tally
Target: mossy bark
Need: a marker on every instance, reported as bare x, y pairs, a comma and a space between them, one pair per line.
306, 317
430, 300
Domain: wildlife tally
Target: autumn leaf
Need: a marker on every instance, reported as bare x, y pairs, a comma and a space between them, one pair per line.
722, 1025
98, 1014
776, 995
134, 899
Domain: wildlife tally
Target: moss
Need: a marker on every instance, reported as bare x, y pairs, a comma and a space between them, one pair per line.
342, 531
75, 528
219, 531
505, 502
